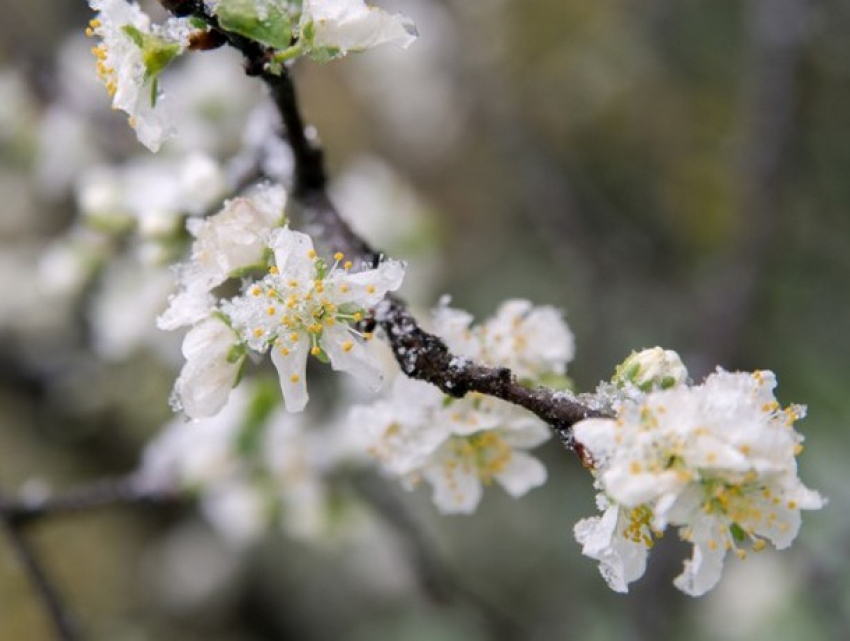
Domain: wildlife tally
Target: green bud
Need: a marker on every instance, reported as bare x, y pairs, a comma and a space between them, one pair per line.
274, 29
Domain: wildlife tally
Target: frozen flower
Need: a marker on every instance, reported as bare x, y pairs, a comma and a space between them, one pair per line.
717, 460
214, 357
457, 446
619, 540
226, 245
332, 28
305, 306
649, 369
236, 238
130, 57
534, 342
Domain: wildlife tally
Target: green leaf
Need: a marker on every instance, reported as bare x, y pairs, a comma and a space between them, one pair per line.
274, 29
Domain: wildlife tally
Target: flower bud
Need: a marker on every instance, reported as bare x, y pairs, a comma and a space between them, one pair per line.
649, 369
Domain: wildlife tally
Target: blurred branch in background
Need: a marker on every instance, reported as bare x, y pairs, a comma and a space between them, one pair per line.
770, 90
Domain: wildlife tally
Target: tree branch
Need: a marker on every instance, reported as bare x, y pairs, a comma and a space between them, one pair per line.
63, 624
128, 490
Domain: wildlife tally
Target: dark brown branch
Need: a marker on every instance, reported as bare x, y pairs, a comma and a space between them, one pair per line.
63, 624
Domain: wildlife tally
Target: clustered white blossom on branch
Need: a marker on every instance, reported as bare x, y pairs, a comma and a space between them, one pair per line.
716, 461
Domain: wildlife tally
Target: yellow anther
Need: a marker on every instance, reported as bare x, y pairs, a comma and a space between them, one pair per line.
293, 336
315, 351
347, 265
284, 351
798, 448
344, 288
256, 291
271, 293
339, 256
792, 505
759, 545
295, 378
347, 346
273, 270
635, 467
311, 254
293, 283
330, 321
370, 289
271, 311
258, 332
358, 316
368, 336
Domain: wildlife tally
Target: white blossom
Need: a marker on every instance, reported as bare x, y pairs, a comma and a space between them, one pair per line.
619, 540
339, 26
130, 57
653, 368
458, 446
305, 306
234, 239
226, 244
532, 341
214, 355
717, 460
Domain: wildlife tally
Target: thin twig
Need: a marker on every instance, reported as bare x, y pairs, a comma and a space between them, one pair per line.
63, 624
128, 490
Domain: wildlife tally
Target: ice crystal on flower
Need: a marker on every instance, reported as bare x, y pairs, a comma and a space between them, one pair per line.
306, 306
334, 27
717, 460
459, 446
132, 54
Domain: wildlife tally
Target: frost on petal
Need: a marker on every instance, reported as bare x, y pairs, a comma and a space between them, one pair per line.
367, 287
210, 371
521, 473
294, 254
621, 559
352, 25
186, 308
233, 239
349, 354
291, 368
703, 570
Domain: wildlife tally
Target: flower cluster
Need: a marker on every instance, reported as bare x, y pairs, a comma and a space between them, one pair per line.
460, 445
133, 52
299, 306
716, 460
131, 56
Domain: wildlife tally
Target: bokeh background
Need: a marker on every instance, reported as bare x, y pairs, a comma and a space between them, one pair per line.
668, 172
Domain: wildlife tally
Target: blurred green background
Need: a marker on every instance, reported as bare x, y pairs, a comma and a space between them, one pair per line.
669, 172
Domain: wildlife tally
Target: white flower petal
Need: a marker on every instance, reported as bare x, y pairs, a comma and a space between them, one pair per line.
350, 355
292, 371
521, 473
